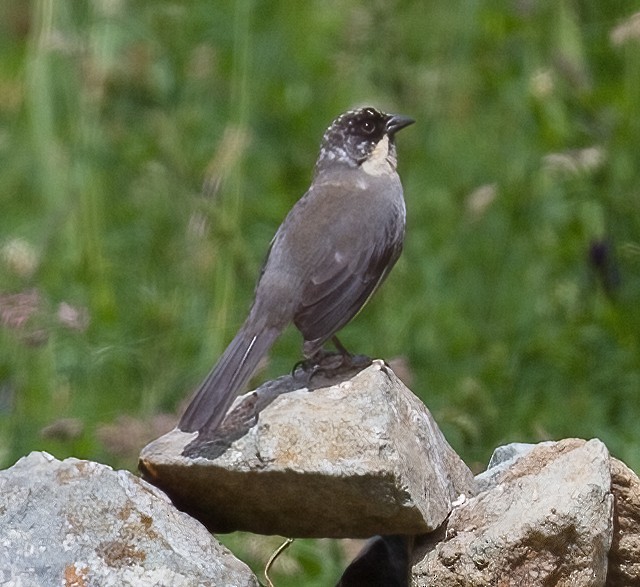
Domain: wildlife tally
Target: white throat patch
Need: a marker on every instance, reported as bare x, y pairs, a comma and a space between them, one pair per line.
379, 162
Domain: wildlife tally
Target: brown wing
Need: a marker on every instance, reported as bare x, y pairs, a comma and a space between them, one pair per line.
342, 281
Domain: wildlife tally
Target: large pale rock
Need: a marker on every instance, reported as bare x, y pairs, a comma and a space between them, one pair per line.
624, 558
546, 518
354, 459
79, 523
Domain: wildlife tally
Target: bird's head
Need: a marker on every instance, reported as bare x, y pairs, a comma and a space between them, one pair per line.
361, 138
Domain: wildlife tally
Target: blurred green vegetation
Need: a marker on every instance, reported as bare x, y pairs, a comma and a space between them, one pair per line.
150, 149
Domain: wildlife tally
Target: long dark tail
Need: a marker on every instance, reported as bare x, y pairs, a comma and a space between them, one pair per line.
236, 365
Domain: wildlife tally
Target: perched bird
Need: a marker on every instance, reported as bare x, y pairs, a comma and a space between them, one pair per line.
336, 245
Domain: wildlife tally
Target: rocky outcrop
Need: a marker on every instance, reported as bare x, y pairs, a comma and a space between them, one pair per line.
624, 556
352, 459
353, 455
543, 517
78, 523
557, 513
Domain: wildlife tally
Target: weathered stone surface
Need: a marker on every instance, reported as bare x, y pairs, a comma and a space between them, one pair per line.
624, 557
502, 459
544, 520
355, 459
79, 523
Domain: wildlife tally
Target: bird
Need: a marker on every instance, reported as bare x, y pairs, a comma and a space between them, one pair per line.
334, 248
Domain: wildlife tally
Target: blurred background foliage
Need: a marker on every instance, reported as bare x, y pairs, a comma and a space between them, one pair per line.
150, 149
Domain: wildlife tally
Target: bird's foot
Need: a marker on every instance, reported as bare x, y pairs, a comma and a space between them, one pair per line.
329, 365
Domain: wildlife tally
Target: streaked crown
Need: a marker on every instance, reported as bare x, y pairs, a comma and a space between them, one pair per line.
353, 136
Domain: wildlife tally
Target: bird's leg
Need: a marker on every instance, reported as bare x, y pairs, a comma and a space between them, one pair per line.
350, 360
330, 363
340, 347
304, 364
316, 362
324, 359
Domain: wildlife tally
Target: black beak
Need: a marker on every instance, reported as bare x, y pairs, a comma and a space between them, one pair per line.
397, 122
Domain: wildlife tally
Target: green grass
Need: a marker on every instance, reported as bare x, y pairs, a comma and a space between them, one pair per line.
525, 153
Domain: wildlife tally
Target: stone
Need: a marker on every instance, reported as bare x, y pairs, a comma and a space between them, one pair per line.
80, 523
624, 557
355, 458
547, 519
502, 459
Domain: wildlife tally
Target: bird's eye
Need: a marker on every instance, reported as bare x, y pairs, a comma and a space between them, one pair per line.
368, 126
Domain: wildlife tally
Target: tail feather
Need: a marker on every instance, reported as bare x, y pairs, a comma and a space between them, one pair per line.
236, 365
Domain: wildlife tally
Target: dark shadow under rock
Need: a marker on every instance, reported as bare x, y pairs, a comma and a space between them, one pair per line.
383, 562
